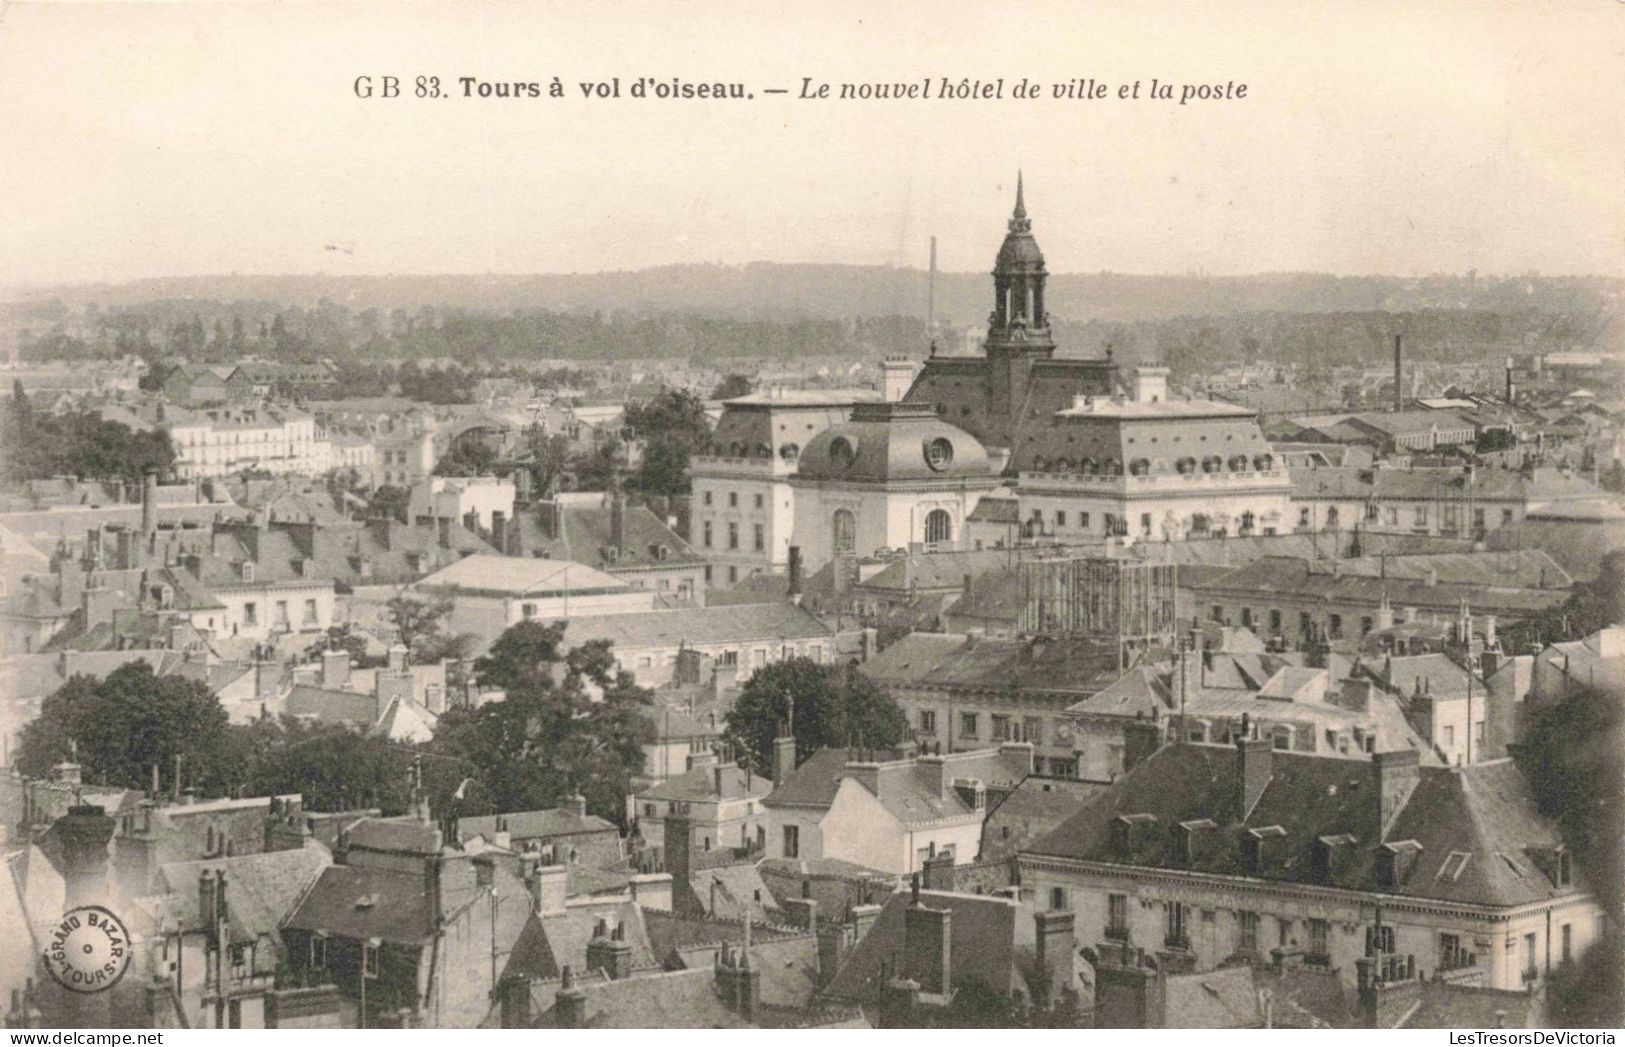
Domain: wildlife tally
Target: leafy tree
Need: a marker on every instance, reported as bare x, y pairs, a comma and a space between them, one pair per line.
1574, 758
570, 720
417, 621
334, 767
598, 469
1591, 606
549, 458
389, 502
344, 638
731, 386
118, 728
673, 426
835, 706
468, 458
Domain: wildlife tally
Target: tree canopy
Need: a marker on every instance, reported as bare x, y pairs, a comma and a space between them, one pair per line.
673, 427
835, 706
1574, 758
570, 721
34, 445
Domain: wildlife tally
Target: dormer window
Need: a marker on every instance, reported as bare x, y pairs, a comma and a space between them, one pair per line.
246, 570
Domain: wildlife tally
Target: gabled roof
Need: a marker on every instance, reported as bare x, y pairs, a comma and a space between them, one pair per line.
360, 903
586, 536
700, 784
995, 664
530, 825
551, 941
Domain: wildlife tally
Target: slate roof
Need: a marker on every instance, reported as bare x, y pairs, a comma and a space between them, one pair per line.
1484, 810
261, 889
701, 784
552, 941
586, 534
994, 664
1300, 578
738, 624
516, 576
353, 902
982, 944
531, 825
1031, 810
814, 781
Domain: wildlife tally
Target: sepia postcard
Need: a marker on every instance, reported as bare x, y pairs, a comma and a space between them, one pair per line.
765, 515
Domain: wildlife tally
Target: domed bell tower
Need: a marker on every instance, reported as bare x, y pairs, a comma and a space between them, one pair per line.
1018, 331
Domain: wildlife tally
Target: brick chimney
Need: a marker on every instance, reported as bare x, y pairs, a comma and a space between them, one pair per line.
336, 669
927, 945
443, 531
149, 502
1397, 774
784, 755
793, 570
739, 979
1254, 759
1056, 942
549, 888
610, 952
678, 854
1388, 989
85, 831
938, 872
499, 531
570, 1002
1129, 993
617, 519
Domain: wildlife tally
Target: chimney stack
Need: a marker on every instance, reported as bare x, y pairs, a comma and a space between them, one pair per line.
617, 518
1399, 372
499, 531
1254, 758
570, 1003
794, 569
927, 946
1397, 774
1055, 945
149, 502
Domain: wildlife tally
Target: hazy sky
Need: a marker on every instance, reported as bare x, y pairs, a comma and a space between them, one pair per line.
1407, 137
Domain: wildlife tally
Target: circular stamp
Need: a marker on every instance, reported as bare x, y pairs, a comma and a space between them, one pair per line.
88, 950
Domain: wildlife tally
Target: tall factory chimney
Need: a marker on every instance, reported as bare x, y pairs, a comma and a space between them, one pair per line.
1399, 373
1512, 389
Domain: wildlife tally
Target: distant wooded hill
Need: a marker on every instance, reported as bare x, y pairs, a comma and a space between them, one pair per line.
773, 291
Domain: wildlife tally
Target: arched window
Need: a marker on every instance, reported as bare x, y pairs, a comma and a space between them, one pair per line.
736, 450
764, 451
939, 526
1238, 463
1064, 465
790, 452
1186, 466
1112, 467
1140, 466
845, 529
1263, 462
1088, 466
1211, 463
1331, 518
1040, 464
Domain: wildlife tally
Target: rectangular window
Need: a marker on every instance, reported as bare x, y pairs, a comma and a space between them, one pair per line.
733, 499
1178, 936
1083, 521
318, 951
1449, 736
967, 725
1530, 971
310, 612
1451, 955
928, 721
1568, 943
1319, 953
1001, 728
1275, 619
1218, 613
733, 536
792, 841
1057, 899
1116, 917
1032, 730
282, 613
705, 534
528, 610
758, 501
369, 960
1303, 517
708, 498
1060, 518
1246, 932
1421, 516
1478, 734
250, 614
733, 575
1145, 523
1393, 516
759, 535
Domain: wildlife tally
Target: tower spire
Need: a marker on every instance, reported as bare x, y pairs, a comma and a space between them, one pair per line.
1018, 218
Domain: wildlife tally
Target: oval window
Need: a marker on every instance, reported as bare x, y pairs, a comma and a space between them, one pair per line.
939, 453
